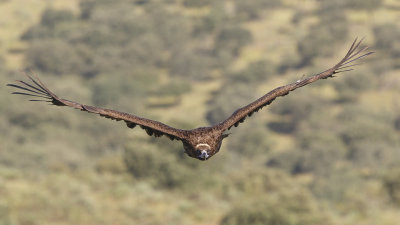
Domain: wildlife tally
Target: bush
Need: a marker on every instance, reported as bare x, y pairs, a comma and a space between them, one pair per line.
317, 153
52, 18
231, 40
145, 161
313, 45
250, 10
250, 140
296, 108
371, 137
253, 182
391, 182
296, 208
213, 21
191, 64
350, 86
369, 5
53, 56
196, 3
257, 213
387, 36
107, 89
228, 99
332, 28
271, 197
362, 125
255, 73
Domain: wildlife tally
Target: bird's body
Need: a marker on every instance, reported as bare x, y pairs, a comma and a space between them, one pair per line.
202, 142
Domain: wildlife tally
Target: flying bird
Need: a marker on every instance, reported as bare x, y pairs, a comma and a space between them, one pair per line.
202, 142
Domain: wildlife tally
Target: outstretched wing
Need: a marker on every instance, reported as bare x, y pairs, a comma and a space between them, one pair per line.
355, 53
38, 90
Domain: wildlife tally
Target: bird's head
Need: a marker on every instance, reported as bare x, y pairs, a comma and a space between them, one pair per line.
205, 148
203, 151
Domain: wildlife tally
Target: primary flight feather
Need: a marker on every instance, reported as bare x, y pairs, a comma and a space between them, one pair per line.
203, 142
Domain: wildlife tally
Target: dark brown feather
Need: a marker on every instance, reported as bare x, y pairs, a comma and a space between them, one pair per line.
240, 114
202, 142
39, 90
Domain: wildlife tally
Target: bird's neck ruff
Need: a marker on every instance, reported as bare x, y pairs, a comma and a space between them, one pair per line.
203, 145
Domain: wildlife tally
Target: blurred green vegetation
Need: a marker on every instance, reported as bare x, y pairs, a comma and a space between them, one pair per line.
326, 154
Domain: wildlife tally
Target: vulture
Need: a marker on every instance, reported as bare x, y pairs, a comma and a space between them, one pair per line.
202, 142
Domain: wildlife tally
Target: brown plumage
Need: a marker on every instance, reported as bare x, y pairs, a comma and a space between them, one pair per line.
202, 142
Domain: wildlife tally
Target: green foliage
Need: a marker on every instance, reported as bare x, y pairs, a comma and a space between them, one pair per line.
332, 28
255, 72
252, 141
107, 89
337, 186
232, 38
48, 57
294, 209
191, 64
366, 125
296, 109
52, 18
387, 36
213, 21
315, 153
145, 162
369, 5
317, 36
272, 197
319, 153
397, 123
251, 10
371, 138
349, 87
223, 103
229, 41
195, 3
175, 88
391, 182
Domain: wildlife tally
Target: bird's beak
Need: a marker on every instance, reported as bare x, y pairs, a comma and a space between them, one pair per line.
204, 155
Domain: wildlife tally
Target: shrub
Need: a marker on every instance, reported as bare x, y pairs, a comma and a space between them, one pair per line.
53, 56
295, 208
196, 3
387, 36
369, 5
144, 161
315, 153
255, 73
391, 182
296, 108
232, 39
251, 140
220, 108
51, 17
332, 28
250, 10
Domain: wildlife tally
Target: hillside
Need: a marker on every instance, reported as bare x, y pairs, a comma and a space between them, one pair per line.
327, 153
